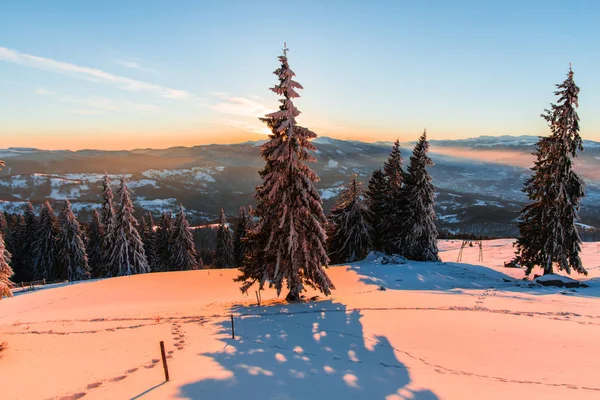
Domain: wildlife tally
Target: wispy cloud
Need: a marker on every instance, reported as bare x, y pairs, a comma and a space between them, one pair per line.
135, 65
91, 74
43, 92
240, 106
252, 127
100, 105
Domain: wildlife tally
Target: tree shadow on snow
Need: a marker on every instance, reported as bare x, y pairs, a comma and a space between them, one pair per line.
452, 277
308, 354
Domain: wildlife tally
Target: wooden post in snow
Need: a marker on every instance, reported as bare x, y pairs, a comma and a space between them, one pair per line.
232, 328
257, 298
164, 360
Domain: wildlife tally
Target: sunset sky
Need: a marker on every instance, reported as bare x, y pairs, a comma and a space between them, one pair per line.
137, 74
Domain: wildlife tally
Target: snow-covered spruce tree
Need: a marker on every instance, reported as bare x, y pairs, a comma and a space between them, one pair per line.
127, 256
289, 239
183, 250
108, 216
72, 254
95, 248
225, 252
3, 224
149, 239
395, 215
418, 238
376, 200
548, 235
26, 235
5, 270
44, 248
349, 238
244, 224
162, 242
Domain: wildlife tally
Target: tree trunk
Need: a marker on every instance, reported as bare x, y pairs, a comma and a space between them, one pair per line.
294, 294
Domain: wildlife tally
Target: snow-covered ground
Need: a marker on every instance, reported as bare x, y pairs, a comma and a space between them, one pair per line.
439, 330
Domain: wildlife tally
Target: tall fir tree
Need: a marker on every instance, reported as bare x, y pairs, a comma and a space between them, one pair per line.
149, 239
548, 234
244, 224
376, 199
289, 239
225, 252
108, 217
45, 246
183, 250
418, 238
163, 243
127, 255
72, 254
5, 270
96, 252
349, 238
395, 215
3, 224
26, 236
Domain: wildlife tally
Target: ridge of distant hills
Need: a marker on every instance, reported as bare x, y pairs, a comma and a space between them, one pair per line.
478, 180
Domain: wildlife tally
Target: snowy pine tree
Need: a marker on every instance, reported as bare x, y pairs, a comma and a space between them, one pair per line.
548, 235
108, 218
149, 238
26, 235
349, 239
44, 248
127, 255
225, 251
162, 248
395, 216
244, 224
72, 254
5, 270
95, 248
418, 238
183, 250
289, 239
3, 224
376, 200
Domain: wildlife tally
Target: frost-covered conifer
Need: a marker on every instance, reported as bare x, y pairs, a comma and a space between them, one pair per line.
289, 239
3, 224
244, 224
44, 248
418, 238
5, 270
95, 247
183, 250
349, 227
72, 255
26, 235
225, 251
376, 200
395, 214
149, 238
548, 235
108, 216
127, 256
163, 243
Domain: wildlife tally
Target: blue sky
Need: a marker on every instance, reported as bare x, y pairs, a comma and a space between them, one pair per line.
130, 74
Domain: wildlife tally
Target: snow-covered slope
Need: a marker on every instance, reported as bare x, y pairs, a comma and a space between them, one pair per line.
438, 331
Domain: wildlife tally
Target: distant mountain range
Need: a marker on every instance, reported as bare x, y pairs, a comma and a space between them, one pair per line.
478, 180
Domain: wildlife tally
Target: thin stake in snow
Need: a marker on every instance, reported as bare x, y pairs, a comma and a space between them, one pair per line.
164, 360
232, 328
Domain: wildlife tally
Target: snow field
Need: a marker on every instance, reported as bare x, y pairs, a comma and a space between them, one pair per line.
448, 331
